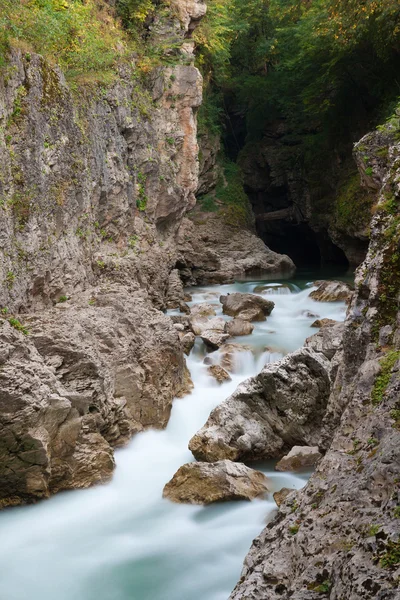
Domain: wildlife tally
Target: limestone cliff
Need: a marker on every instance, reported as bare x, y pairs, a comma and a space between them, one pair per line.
340, 536
95, 181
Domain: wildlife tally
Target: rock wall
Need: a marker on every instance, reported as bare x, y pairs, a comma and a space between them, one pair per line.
318, 212
95, 181
94, 184
339, 537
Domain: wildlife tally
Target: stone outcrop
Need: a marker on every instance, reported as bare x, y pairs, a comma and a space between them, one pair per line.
93, 190
300, 457
91, 373
283, 406
332, 291
247, 307
340, 535
215, 252
206, 483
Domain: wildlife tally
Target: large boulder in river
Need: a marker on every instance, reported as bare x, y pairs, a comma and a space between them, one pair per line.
205, 483
238, 327
201, 323
214, 339
332, 291
248, 307
203, 310
281, 407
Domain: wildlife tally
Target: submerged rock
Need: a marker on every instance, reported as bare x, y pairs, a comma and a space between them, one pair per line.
230, 358
247, 307
205, 483
299, 458
219, 373
332, 291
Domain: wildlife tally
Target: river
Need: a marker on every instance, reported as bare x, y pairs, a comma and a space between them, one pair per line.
122, 541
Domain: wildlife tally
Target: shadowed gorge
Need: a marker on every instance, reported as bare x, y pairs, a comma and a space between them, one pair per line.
199, 299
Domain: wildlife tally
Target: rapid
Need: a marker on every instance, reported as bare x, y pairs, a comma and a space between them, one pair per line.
123, 541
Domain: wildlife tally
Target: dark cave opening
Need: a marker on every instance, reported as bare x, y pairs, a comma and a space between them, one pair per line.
304, 246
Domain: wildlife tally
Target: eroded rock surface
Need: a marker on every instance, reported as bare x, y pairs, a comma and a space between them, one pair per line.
300, 457
332, 291
247, 307
219, 373
268, 414
205, 483
340, 536
214, 252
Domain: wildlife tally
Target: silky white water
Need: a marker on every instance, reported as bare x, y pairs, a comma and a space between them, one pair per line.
122, 541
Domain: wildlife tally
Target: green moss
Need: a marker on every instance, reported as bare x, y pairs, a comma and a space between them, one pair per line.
353, 205
391, 558
18, 325
320, 588
294, 529
10, 279
395, 415
382, 381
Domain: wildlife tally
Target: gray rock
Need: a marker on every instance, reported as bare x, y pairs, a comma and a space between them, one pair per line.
281, 407
219, 373
187, 342
205, 483
247, 307
300, 457
238, 327
332, 291
213, 339
342, 532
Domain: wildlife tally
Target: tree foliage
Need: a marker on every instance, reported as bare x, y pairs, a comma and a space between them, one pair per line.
319, 64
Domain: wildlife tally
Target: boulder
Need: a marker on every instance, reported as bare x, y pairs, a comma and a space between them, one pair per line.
281, 407
300, 457
200, 324
280, 496
203, 310
239, 327
320, 323
213, 339
332, 291
219, 373
187, 342
205, 483
327, 341
248, 307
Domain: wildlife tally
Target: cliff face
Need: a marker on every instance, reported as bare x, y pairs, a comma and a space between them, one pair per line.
94, 185
322, 207
340, 536
93, 188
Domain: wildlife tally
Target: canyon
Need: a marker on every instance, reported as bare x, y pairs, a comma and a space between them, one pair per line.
105, 243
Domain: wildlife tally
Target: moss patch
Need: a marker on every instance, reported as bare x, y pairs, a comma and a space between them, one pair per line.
383, 380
